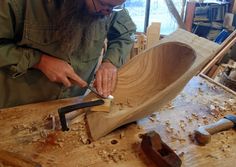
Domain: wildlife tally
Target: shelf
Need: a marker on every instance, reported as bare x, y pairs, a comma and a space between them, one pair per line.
209, 14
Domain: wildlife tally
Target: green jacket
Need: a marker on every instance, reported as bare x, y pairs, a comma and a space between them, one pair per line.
26, 33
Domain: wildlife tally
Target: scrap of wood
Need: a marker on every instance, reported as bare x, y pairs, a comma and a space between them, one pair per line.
153, 34
103, 108
225, 46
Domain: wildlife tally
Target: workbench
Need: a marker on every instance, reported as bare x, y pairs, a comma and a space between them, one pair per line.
25, 130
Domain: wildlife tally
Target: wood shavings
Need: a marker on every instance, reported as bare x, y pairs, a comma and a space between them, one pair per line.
195, 116
175, 137
167, 123
169, 105
169, 129
182, 124
84, 139
151, 119
214, 113
181, 154
225, 148
60, 144
43, 134
92, 145
205, 122
102, 142
204, 117
113, 155
81, 132
189, 119
60, 140
200, 91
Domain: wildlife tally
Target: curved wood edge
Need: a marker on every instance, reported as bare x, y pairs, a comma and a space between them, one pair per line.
101, 124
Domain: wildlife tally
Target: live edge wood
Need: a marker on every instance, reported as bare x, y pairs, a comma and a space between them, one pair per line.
152, 79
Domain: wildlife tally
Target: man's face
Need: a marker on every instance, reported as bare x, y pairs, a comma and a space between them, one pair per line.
78, 19
102, 7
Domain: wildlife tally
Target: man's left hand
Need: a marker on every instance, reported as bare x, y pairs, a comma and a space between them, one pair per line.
106, 77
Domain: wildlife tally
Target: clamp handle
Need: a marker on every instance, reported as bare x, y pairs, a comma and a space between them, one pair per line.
67, 109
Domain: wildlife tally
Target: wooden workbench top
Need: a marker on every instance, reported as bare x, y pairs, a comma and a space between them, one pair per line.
27, 130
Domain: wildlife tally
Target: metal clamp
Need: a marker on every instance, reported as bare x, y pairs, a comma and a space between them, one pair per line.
67, 109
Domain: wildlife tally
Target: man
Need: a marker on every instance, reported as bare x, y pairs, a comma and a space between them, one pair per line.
49, 48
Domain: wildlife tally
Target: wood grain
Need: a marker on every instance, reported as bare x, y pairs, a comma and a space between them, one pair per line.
16, 160
152, 79
23, 131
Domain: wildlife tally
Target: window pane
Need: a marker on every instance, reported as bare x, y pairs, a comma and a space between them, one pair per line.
158, 13
136, 10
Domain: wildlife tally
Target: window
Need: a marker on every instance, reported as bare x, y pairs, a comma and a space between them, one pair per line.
136, 10
158, 13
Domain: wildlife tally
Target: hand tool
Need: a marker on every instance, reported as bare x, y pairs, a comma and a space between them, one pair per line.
203, 134
14, 159
99, 95
95, 92
158, 151
67, 109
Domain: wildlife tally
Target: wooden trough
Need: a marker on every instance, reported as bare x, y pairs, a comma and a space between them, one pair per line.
152, 79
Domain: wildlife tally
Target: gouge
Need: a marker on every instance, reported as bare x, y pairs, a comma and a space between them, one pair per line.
203, 134
16, 160
96, 93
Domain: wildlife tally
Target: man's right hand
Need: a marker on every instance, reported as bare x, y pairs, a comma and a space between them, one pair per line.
59, 71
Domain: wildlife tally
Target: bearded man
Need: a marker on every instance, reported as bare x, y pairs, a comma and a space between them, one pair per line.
49, 49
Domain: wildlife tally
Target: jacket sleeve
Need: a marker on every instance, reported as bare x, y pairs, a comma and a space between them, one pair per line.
14, 58
120, 38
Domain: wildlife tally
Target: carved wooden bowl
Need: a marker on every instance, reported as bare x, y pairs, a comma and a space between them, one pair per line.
145, 83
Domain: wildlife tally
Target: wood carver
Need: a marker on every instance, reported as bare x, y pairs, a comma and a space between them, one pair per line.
153, 78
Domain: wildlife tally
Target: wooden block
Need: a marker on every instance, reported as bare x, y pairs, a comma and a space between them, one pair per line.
103, 108
153, 34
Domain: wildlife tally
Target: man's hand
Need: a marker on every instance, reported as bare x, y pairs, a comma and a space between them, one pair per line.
106, 77
59, 71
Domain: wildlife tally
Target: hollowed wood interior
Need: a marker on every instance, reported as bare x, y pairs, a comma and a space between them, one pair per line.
151, 72
144, 84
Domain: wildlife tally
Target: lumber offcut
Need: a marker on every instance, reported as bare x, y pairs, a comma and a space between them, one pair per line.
103, 108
